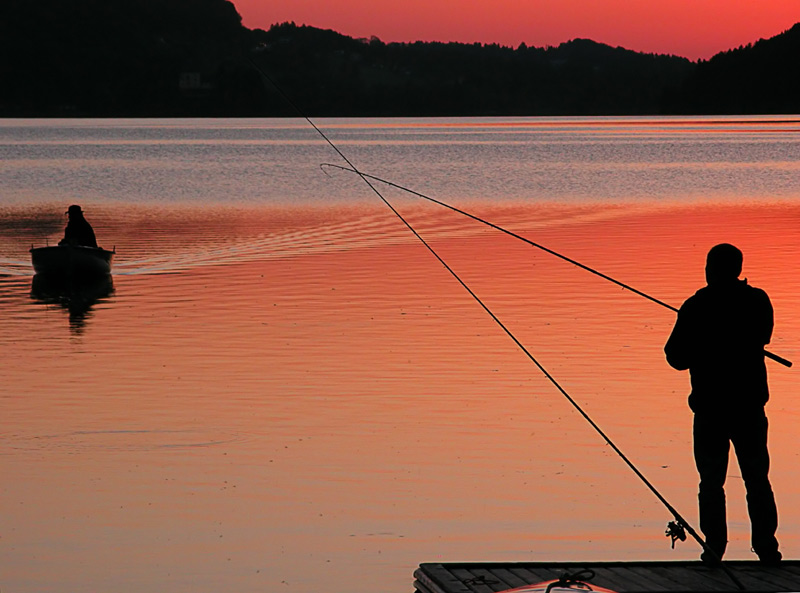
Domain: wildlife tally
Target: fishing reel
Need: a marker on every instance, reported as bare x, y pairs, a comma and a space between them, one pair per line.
675, 531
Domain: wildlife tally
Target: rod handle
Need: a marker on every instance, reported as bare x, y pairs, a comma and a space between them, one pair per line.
778, 359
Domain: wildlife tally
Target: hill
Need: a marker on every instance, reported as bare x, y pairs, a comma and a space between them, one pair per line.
123, 58
757, 78
330, 74
167, 58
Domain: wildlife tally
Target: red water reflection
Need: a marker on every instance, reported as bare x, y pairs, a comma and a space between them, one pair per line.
343, 412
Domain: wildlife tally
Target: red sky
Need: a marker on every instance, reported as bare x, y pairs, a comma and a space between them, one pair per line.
691, 28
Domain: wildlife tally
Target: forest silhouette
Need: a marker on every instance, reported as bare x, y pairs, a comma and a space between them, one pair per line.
179, 58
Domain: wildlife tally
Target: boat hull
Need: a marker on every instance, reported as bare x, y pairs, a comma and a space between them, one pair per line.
72, 261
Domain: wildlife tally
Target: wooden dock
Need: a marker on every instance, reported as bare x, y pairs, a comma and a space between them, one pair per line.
624, 577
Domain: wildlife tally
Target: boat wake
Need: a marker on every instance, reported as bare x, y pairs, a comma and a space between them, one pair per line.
178, 244
364, 232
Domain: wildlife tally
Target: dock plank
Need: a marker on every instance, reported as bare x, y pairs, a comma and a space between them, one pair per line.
492, 578
792, 568
610, 578
776, 577
439, 579
472, 581
529, 576
423, 587
642, 577
624, 577
510, 578
687, 580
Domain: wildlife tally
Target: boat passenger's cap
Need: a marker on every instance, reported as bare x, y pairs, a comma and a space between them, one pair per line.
74, 209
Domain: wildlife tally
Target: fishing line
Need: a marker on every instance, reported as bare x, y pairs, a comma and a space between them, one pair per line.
681, 522
775, 357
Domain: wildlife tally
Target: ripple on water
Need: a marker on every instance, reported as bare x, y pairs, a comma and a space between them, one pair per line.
137, 440
159, 240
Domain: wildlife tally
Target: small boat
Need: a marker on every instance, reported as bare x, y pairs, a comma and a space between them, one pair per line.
73, 261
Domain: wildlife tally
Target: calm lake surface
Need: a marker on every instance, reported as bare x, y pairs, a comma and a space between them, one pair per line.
283, 390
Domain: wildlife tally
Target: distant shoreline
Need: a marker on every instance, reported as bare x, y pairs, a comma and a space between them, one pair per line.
160, 61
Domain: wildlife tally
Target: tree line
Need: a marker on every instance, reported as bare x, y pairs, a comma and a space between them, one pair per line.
170, 58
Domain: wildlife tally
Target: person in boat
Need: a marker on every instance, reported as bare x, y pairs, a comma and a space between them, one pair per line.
719, 337
78, 231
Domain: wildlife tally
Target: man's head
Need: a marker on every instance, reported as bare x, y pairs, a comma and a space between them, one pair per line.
74, 210
723, 263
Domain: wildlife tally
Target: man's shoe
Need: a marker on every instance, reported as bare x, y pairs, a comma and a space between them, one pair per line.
770, 559
713, 553
710, 559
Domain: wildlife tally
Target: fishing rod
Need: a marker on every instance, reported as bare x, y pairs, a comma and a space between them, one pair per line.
677, 529
775, 357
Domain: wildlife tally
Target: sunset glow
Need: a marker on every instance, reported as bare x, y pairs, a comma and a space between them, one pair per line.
696, 30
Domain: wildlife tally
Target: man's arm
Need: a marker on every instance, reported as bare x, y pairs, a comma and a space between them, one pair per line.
767, 319
679, 346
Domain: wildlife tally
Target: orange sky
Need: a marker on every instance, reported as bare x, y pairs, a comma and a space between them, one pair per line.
690, 28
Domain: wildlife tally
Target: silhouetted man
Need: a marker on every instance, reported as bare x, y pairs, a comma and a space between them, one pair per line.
78, 231
720, 336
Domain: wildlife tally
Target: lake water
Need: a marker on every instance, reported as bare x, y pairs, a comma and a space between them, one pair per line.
283, 390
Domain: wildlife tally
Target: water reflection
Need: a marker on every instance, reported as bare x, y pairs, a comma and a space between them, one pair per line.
77, 296
294, 394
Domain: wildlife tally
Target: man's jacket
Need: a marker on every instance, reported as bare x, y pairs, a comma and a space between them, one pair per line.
720, 336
